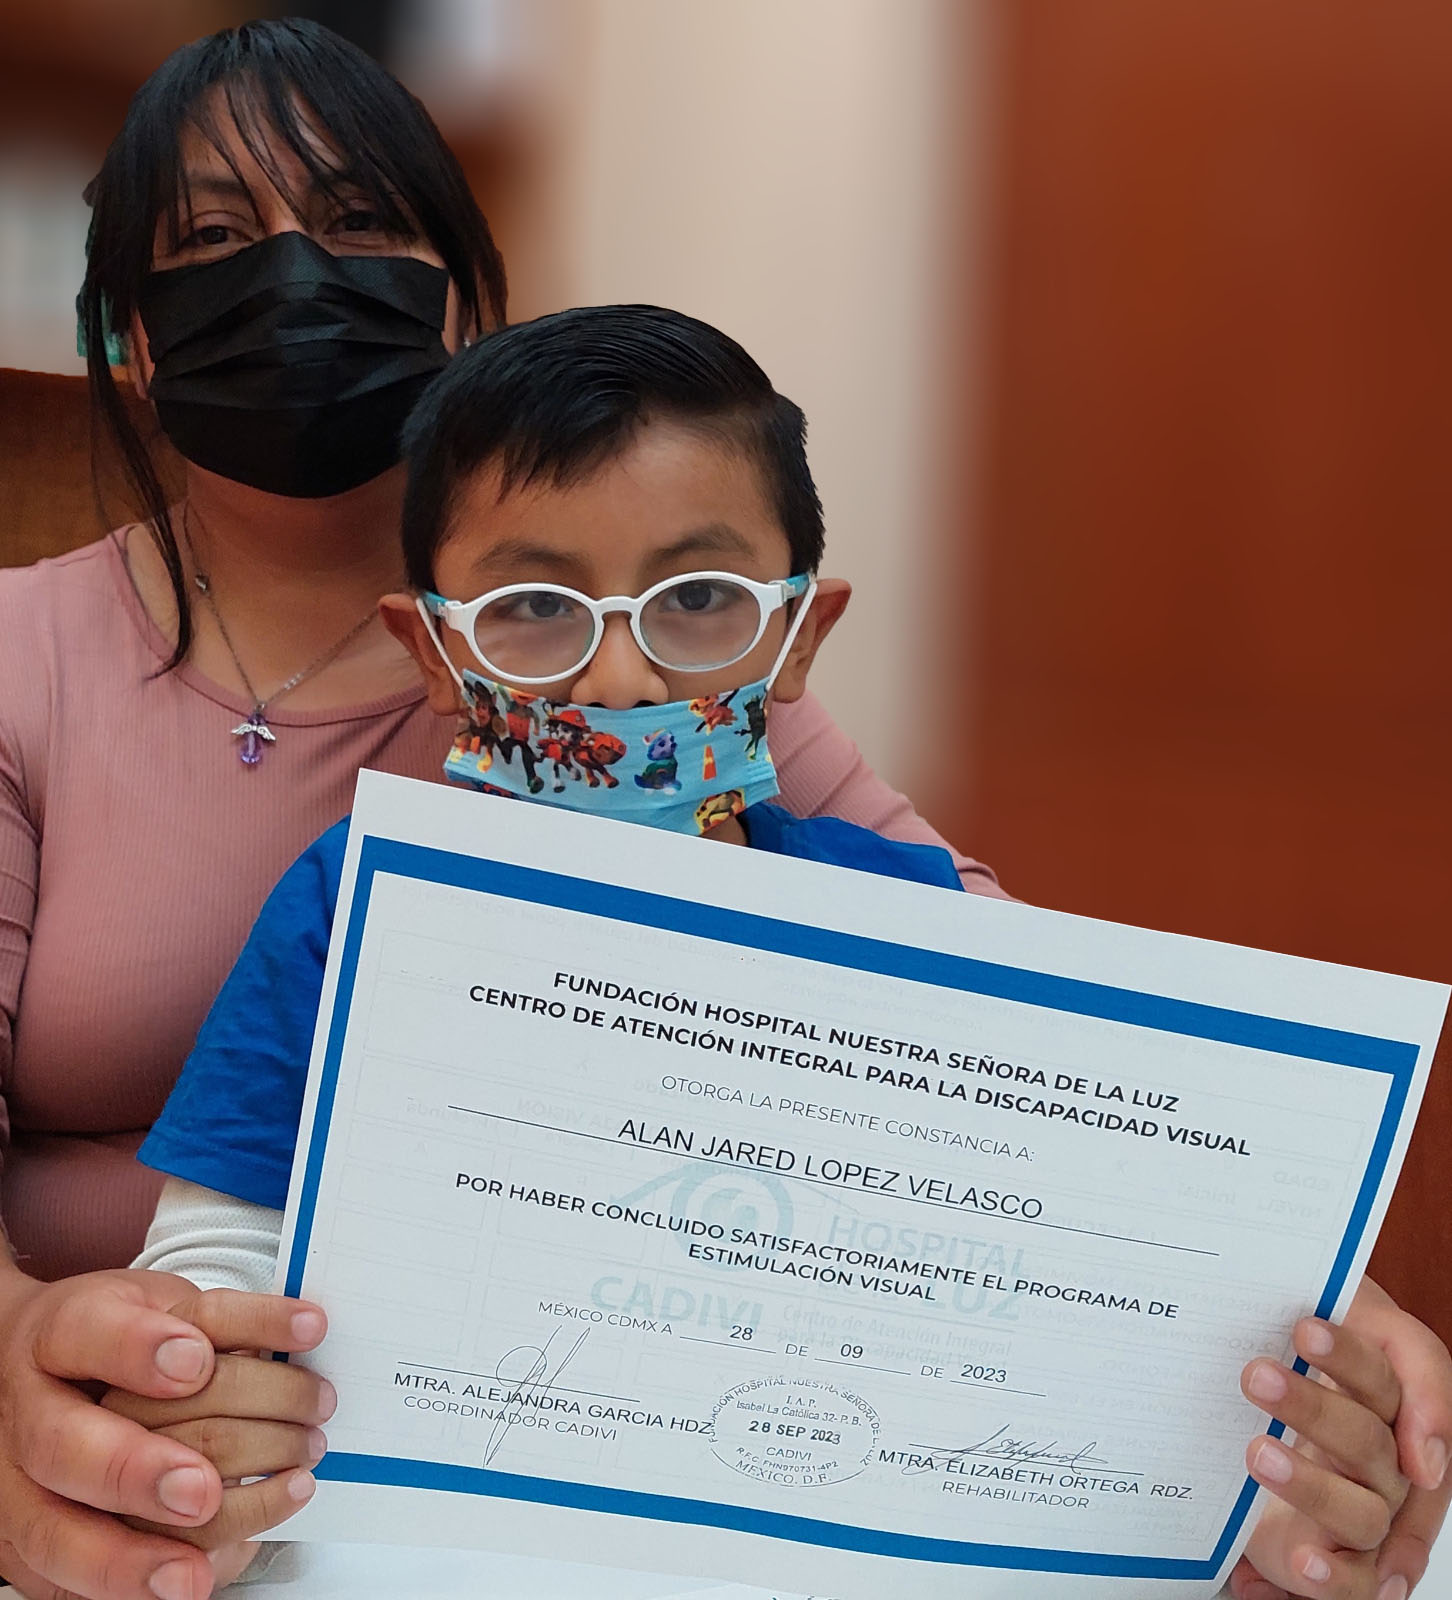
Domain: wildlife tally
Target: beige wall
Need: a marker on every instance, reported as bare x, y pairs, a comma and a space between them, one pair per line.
796, 172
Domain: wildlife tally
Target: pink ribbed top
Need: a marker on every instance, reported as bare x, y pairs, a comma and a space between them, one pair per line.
135, 852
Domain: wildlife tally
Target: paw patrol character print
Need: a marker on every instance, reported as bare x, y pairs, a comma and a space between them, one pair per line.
755, 730
716, 808
484, 728
659, 771
521, 723
713, 711
576, 751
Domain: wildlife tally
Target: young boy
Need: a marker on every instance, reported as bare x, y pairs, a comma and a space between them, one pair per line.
613, 538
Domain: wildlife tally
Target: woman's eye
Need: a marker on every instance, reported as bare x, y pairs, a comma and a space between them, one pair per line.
360, 221
209, 237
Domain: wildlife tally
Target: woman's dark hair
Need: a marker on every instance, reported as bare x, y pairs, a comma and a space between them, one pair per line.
282, 81
555, 399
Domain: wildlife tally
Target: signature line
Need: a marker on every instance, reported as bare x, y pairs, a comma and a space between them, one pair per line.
563, 1388
1025, 1461
832, 1361
726, 1344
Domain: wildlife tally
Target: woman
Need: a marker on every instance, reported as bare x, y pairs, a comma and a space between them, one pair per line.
291, 252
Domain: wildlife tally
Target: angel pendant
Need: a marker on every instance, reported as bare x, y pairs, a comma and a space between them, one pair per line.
253, 733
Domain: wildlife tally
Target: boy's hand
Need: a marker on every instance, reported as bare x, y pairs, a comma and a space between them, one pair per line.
1351, 1525
256, 1418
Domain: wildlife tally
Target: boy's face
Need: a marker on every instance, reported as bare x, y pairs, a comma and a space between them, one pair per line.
675, 501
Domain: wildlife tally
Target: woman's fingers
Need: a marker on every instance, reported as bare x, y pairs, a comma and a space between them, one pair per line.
241, 1386
87, 1554
1354, 1437
1355, 1365
1409, 1545
72, 1447
116, 1328
1424, 1368
253, 1508
244, 1449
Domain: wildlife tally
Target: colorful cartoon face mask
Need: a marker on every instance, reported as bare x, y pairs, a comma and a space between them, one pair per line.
685, 766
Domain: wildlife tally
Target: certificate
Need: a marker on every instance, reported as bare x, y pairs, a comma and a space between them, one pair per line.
687, 1208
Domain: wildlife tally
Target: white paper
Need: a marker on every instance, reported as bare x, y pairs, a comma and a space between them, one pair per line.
685, 1208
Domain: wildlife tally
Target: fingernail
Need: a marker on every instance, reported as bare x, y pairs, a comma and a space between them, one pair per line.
181, 1360
1267, 1381
1435, 1451
327, 1400
1393, 1589
1318, 1339
173, 1582
1316, 1568
317, 1446
308, 1327
301, 1485
183, 1490
1273, 1463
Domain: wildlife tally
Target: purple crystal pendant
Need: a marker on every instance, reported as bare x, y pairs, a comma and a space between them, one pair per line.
255, 736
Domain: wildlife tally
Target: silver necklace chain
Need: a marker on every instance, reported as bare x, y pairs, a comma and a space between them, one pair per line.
256, 730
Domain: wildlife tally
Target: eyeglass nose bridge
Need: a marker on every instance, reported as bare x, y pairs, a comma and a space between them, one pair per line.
610, 605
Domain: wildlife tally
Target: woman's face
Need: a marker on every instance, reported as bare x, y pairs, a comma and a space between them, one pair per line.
234, 203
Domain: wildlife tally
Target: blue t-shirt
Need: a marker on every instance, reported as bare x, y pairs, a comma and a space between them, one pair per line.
231, 1123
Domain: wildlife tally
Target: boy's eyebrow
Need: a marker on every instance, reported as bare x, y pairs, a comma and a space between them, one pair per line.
718, 538
521, 553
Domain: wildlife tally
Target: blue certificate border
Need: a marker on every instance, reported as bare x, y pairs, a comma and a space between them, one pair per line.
1395, 1058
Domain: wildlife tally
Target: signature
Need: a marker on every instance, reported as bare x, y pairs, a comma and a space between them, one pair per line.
526, 1372
1002, 1446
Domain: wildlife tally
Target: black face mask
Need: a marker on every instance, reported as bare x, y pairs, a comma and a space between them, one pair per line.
290, 369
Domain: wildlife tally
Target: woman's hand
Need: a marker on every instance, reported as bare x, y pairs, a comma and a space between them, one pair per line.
65, 1461
1358, 1509
256, 1418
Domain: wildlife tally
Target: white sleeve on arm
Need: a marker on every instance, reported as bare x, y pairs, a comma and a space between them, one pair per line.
212, 1239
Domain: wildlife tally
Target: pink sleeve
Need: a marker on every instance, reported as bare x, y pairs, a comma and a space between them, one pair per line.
19, 868
823, 774
25, 687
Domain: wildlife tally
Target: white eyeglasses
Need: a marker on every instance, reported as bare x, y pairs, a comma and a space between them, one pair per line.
539, 633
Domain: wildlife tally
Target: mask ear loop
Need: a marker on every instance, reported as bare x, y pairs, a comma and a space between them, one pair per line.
792, 631
432, 626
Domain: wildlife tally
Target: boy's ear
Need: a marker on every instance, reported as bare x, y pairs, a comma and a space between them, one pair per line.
401, 617
828, 604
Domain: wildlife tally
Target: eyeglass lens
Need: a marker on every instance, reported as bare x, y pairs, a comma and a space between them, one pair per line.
694, 624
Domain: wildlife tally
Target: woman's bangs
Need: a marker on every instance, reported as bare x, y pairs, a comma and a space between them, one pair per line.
271, 117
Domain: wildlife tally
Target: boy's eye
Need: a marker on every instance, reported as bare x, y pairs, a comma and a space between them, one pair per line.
534, 605
699, 595
542, 606
360, 220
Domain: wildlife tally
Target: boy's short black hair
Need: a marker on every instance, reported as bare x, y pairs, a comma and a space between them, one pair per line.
557, 398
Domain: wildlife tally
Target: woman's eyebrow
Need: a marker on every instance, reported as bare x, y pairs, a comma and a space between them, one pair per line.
217, 186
